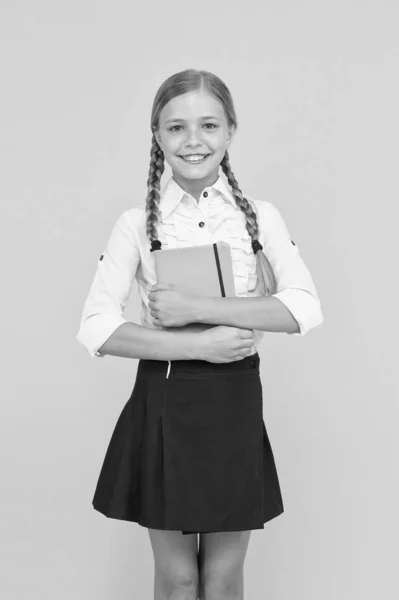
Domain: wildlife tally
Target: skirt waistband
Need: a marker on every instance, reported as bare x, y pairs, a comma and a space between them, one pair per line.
248, 364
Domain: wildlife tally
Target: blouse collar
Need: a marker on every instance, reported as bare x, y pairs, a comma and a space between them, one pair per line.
172, 194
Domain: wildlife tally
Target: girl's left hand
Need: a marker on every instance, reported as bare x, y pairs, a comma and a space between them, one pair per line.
170, 308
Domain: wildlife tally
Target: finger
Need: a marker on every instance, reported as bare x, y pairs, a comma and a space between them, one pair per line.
245, 333
243, 344
246, 341
238, 358
159, 287
154, 294
243, 353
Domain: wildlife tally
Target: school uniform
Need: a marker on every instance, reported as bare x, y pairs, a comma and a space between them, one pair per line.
190, 450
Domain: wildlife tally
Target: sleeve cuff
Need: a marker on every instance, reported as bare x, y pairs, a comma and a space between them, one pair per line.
303, 306
95, 330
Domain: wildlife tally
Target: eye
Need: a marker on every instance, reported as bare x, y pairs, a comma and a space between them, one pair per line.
176, 128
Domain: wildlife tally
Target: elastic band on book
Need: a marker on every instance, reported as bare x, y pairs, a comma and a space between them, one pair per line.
215, 249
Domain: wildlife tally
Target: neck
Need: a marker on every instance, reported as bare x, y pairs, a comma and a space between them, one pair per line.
195, 187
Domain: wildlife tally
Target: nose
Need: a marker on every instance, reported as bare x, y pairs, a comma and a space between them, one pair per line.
193, 139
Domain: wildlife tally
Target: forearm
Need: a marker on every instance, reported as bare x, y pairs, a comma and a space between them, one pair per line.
131, 340
265, 313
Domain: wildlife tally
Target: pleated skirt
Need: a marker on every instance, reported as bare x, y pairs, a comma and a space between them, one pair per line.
190, 451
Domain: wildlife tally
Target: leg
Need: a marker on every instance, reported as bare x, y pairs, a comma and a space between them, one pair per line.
176, 566
221, 565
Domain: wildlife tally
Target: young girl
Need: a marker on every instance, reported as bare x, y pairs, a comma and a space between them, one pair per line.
190, 452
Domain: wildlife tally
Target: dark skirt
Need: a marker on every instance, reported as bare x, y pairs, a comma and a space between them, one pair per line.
190, 451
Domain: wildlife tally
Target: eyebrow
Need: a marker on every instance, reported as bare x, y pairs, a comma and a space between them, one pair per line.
183, 120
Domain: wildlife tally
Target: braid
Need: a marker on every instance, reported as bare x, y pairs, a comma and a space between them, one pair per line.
157, 166
250, 216
266, 279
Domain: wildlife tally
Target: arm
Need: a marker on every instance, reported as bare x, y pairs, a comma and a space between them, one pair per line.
131, 340
103, 328
265, 313
294, 309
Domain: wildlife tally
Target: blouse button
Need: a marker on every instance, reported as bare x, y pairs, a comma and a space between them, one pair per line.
201, 224
101, 257
205, 194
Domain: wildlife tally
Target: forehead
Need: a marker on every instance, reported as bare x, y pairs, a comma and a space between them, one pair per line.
192, 106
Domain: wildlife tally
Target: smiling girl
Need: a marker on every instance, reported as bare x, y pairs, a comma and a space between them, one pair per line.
190, 453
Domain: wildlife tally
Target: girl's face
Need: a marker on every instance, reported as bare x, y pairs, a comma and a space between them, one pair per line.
194, 135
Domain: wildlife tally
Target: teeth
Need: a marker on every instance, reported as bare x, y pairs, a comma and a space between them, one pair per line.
194, 157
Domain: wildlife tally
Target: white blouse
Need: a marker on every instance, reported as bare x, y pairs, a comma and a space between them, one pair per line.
184, 222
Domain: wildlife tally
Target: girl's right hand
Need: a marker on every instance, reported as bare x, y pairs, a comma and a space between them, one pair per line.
223, 344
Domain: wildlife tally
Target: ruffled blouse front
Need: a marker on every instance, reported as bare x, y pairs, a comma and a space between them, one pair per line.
225, 223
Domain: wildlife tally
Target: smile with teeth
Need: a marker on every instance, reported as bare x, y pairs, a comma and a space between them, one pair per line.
195, 158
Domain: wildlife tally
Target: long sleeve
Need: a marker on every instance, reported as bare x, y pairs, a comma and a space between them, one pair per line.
109, 291
295, 286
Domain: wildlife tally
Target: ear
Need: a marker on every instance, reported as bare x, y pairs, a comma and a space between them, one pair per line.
158, 138
230, 136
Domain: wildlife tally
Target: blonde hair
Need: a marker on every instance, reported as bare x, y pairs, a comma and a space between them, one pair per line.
182, 83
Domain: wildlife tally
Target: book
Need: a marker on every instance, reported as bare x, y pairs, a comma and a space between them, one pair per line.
205, 270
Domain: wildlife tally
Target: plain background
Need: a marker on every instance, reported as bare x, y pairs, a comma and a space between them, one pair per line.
315, 86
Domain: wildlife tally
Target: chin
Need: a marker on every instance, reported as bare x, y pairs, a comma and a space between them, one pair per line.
194, 176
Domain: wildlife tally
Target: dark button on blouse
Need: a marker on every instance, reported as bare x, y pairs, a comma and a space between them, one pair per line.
101, 257
201, 224
205, 194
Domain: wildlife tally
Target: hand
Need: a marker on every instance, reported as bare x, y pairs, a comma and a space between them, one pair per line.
170, 308
225, 344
